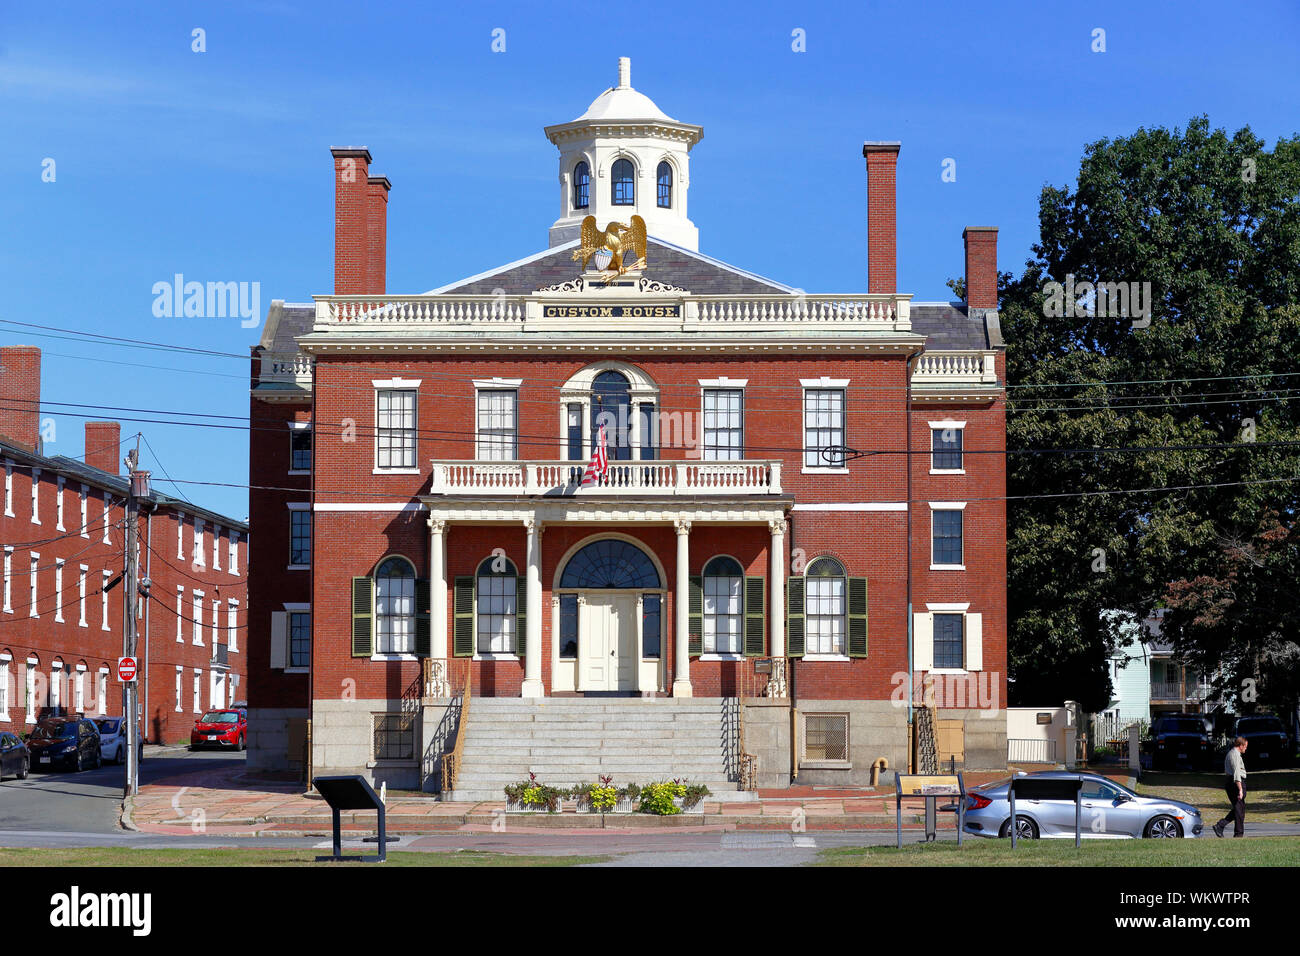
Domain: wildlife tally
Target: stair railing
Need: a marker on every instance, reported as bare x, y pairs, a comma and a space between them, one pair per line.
451, 762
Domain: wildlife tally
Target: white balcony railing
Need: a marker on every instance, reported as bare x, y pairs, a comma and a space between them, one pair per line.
955, 368
624, 478
286, 367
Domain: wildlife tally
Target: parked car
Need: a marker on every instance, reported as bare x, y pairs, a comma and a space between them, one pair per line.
112, 739
1109, 811
14, 758
1179, 739
220, 728
1269, 743
64, 741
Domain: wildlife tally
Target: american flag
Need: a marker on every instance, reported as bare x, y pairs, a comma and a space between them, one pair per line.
599, 467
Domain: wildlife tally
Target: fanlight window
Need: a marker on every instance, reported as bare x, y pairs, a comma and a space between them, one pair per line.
826, 607
623, 183
610, 564
395, 606
664, 175
581, 186
497, 606
723, 606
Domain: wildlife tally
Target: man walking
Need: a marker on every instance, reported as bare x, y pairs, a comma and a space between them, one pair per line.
1235, 787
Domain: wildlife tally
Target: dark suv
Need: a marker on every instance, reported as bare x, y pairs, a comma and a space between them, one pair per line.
1178, 739
71, 742
1269, 744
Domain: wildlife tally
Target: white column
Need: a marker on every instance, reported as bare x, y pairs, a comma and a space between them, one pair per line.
533, 637
776, 585
639, 617
681, 600
438, 605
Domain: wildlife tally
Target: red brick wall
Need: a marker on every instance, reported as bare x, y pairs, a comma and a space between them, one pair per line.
981, 266
20, 395
882, 217
103, 440
351, 230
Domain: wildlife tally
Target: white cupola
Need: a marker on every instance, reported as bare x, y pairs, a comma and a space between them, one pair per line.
625, 156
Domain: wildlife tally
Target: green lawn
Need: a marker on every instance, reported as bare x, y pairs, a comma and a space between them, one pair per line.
1252, 851
1272, 796
113, 856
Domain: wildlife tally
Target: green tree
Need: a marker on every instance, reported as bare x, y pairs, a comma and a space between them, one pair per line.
1212, 223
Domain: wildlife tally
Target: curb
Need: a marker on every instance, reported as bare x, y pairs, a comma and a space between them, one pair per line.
125, 817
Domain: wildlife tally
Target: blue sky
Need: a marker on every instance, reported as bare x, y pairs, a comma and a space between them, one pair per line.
216, 164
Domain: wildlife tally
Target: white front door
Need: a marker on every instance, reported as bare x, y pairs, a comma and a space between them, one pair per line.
608, 642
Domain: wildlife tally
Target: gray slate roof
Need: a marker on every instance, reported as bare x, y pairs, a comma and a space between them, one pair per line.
949, 327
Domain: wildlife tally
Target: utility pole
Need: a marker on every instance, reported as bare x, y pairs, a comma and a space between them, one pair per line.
138, 487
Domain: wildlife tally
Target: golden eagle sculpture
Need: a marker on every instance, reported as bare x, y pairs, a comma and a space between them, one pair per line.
618, 238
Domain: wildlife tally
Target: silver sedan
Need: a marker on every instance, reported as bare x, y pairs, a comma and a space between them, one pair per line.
1109, 812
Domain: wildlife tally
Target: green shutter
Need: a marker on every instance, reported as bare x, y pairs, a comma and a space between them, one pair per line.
857, 617
695, 616
422, 620
755, 617
463, 612
521, 613
794, 633
363, 617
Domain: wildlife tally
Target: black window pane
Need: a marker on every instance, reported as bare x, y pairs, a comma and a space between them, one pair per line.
650, 627
664, 177
573, 418
946, 444
300, 449
568, 626
299, 537
623, 183
947, 537
649, 426
581, 186
948, 641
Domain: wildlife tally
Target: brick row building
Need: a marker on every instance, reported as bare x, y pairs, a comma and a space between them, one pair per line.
803, 509
62, 621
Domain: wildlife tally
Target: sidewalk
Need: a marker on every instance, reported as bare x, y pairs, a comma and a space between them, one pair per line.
233, 802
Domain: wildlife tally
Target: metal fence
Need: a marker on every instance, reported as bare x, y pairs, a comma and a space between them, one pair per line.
1030, 751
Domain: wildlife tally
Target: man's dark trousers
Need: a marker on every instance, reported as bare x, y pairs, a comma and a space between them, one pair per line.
1237, 815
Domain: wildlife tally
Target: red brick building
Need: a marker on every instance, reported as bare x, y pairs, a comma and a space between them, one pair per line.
758, 534
62, 625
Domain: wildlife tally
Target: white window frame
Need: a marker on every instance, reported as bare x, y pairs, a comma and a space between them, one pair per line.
35, 565
216, 624
712, 653
103, 602
948, 506
289, 611
79, 689
180, 536
948, 425
30, 704
180, 614
823, 384
9, 578
295, 427
60, 483
9, 488
5, 660
101, 685
180, 688
82, 571
972, 639
198, 619
399, 385
232, 625
108, 515
36, 496
485, 451
56, 689
295, 508
232, 553
199, 559
58, 590
84, 501
216, 547
198, 690
837, 656
716, 386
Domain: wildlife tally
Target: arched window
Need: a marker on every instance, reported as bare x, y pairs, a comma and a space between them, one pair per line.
723, 609
581, 186
623, 183
664, 176
610, 564
611, 404
395, 606
497, 585
826, 607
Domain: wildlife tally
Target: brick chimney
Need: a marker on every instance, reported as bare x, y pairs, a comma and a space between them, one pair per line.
103, 441
882, 216
981, 266
377, 188
351, 220
20, 395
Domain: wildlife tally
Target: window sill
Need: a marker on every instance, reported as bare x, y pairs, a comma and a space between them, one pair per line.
395, 471
806, 470
495, 656
947, 567
392, 764
298, 567
710, 656
298, 471
831, 658
951, 670
825, 765
393, 657
947, 471
297, 670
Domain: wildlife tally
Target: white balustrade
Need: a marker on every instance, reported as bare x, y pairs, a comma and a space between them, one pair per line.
955, 368
624, 478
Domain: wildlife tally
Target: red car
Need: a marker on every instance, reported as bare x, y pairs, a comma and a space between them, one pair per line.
220, 728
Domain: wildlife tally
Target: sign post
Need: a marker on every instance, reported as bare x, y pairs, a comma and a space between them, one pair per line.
930, 786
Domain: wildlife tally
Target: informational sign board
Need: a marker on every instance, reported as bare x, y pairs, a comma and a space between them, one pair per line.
126, 669
351, 792
1068, 789
931, 787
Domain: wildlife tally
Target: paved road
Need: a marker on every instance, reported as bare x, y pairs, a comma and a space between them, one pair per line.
90, 801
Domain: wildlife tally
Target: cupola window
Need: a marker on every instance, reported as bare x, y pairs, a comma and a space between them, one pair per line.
664, 175
581, 186
623, 183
